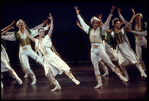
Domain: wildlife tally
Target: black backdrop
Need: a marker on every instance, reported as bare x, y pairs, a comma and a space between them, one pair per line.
69, 40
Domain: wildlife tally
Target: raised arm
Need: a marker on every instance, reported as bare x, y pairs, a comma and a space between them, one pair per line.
122, 18
78, 24
26, 32
126, 26
106, 24
41, 25
51, 28
8, 26
34, 31
83, 24
100, 18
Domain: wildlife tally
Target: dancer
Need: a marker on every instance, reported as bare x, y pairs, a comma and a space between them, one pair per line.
140, 40
125, 53
5, 62
53, 64
97, 50
104, 67
25, 49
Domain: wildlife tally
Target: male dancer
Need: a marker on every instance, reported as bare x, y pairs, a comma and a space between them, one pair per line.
25, 49
97, 50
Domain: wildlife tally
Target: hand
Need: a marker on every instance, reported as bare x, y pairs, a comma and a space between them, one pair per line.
99, 16
77, 22
50, 16
112, 9
129, 30
11, 27
108, 30
48, 25
13, 22
119, 11
76, 8
133, 10
45, 21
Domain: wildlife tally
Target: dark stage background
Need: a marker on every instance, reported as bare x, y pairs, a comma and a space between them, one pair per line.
69, 40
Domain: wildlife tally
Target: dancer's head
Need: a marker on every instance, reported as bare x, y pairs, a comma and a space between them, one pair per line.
95, 22
41, 32
116, 23
20, 24
138, 17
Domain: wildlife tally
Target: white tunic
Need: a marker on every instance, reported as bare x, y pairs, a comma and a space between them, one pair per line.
52, 62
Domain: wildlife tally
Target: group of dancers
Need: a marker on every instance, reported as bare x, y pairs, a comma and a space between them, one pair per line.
107, 45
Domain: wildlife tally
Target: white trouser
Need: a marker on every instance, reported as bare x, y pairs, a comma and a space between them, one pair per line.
99, 54
139, 45
24, 53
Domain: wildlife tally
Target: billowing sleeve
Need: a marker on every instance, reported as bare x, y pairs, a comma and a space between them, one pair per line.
144, 33
37, 27
34, 31
48, 41
8, 37
106, 24
83, 24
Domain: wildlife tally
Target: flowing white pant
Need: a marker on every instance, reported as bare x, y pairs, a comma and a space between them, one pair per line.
98, 54
139, 45
23, 56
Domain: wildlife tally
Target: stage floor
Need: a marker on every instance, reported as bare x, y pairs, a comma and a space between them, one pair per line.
113, 87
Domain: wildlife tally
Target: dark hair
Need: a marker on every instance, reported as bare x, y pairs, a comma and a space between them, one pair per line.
115, 21
39, 29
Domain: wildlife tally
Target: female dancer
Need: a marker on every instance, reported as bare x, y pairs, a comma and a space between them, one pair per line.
125, 53
5, 62
140, 40
97, 50
25, 49
53, 64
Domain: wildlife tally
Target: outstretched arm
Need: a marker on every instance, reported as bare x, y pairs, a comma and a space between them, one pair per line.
83, 24
51, 28
8, 26
144, 33
3, 32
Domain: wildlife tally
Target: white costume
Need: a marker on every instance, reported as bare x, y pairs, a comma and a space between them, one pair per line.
140, 40
97, 49
51, 60
53, 64
25, 49
5, 65
126, 55
144, 33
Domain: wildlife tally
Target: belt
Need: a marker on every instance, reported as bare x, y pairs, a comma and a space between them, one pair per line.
140, 39
24, 48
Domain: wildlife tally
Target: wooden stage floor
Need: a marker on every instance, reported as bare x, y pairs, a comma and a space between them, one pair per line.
113, 87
